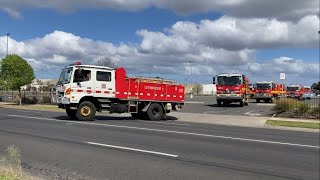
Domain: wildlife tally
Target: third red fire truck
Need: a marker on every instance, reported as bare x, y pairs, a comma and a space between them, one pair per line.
232, 87
84, 89
299, 92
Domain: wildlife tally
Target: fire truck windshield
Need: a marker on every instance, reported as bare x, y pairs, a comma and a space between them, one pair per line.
65, 76
293, 88
263, 86
229, 81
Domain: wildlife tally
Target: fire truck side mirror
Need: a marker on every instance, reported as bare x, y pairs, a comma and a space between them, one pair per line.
213, 80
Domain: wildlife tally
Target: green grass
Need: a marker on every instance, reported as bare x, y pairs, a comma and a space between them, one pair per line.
32, 107
311, 125
3, 177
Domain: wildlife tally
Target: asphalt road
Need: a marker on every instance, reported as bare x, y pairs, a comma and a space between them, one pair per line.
121, 148
208, 105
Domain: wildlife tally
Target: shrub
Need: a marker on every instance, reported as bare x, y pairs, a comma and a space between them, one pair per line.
46, 100
283, 105
26, 100
303, 108
32, 100
316, 111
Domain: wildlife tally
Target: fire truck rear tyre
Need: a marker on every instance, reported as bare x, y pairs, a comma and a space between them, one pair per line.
86, 111
72, 113
241, 103
155, 112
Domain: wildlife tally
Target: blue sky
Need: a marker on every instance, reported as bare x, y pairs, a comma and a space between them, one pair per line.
156, 40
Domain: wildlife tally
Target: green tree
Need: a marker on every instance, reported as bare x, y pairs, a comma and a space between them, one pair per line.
15, 72
197, 88
316, 86
108, 62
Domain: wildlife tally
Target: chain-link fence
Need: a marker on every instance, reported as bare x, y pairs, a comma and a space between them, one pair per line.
296, 108
27, 97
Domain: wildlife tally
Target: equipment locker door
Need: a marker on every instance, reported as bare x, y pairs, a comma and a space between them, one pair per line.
105, 83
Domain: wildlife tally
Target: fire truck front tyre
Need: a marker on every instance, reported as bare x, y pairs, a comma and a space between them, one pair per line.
155, 112
219, 103
72, 113
86, 111
241, 103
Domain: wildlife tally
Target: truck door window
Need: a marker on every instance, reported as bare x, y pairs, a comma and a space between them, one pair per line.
103, 76
81, 75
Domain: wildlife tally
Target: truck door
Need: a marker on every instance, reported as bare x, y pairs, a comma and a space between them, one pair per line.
83, 83
105, 83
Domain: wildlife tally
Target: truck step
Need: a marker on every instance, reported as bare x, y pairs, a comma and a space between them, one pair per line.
105, 105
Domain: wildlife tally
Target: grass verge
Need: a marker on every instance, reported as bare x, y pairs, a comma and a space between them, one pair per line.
310, 125
10, 166
32, 107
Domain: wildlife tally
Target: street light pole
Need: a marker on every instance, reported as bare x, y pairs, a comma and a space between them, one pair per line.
191, 93
8, 34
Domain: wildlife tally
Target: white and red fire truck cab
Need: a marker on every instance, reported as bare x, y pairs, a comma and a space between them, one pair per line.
84, 89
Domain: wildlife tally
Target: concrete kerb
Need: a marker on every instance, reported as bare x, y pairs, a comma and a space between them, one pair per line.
294, 119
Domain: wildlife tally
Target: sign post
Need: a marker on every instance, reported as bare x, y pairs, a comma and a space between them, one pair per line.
282, 78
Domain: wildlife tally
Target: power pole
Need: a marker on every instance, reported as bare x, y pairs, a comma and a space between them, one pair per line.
191, 93
8, 34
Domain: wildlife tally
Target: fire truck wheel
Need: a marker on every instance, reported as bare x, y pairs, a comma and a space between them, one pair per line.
155, 112
72, 113
241, 103
86, 111
219, 103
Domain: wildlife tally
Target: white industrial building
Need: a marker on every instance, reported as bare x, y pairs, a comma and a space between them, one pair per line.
208, 89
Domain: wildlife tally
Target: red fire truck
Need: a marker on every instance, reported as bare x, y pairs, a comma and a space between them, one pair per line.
268, 90
85, 89
299, 92
232, 87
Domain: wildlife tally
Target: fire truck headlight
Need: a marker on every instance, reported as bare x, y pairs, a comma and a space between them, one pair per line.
68, 91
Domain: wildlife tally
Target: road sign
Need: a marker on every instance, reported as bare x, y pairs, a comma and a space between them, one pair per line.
282, 76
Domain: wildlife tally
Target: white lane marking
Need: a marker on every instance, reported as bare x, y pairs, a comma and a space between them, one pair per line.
249, 113
68, 124
133, 149
193, 102
175, 132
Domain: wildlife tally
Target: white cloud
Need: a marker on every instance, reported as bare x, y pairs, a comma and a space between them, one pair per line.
284, 9
241, 33
11, 12
165, 57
